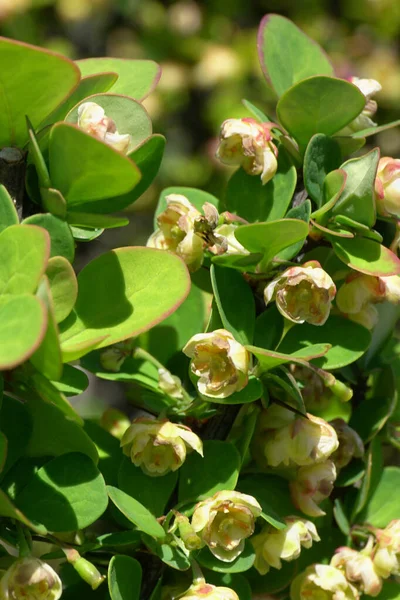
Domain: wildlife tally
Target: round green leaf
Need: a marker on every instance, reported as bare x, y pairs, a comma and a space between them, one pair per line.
322, 156
84, 169
201, 477
319, 105
16, 425
62, 242
366, 256
136, 78
302, 56
23, 321
121, 294
43, 79
63, 286
242, 563
124, 578
129, 116
73, 381
66, 494
348, 341
8, 509
136, 512
24, 251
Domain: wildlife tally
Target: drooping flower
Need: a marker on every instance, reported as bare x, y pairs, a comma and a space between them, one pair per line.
387, 554
312, 485
303, 294
115, 422
247, 143
322, 582
359, 569
201, 590
93, 119
159, 446
274, 545
220, 362
170, 384
369, 87
224, 521
30, 579
350, 444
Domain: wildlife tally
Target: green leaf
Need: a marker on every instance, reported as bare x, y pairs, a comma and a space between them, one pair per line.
108, 449
121, 294
124, 578
129, 116
66, 494
341, 517
85, 170
390, 591
3, 451
301, 57
73, 381
366, 256
256, 112
283, 379
16, 425
250, 393
170, 555
247, 197
350, 474
136, 78
382, 507
152, 492
94, 84
23, 321
147, 157
36, 156
47, 358
135, 512
54, 433
272, 237
231, 291
201, 477
319, 105
62, 242
53, 201
272, 492
82, 219
86, 234
24, 251
242, 563
245, 263
371, 479
357, 200
196, 197
332, 187
348, 341
268, 359
8, 509
8, 212
42, 81
374, 130
301, 212
63, 286
274, 581
269, 328
322, 156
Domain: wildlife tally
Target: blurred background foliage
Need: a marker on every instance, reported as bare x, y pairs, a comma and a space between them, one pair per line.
207, 50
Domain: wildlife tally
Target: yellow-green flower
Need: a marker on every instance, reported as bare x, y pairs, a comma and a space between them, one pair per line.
387, 554
30, 579
322, 582
201, 590
312, 485
359, 569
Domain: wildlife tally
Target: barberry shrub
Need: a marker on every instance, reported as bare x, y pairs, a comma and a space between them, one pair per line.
255, 332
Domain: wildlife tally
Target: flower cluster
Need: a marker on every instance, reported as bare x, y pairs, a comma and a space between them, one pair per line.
159, 446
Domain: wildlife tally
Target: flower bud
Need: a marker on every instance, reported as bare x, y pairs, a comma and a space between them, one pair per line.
159, 446
224, 521
358, 569
272, 545
387, 187
87, 571
187, 533
369, 87
113, 357
247, 143
302, 441
201, 590
350, 444
220, 362
387, 554
229, 241
93, 120
115, 422
176, 231
322, 582
312, 485
31, 579
303, 294
170, 384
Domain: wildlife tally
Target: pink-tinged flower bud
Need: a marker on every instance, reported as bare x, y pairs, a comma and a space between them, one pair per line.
273, 545
358, 569
303, 294
224, 521
302, 441
387, 554
115, 422
387, 187
170, 384
312, 485
201, 590
369, 87
220, 362
93, 120
177, 231
30, 579
322, 582
247, 143
158, 447
350, 444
